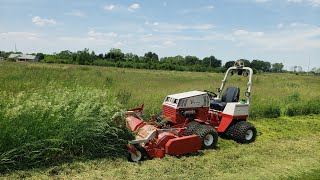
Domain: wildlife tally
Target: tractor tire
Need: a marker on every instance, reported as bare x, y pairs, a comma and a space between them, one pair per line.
208, 135
242, 132
191, 128
141, 155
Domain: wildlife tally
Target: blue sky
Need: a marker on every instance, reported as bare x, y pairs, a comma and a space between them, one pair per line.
286, 31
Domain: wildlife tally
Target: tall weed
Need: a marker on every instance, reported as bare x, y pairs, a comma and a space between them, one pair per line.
55, 125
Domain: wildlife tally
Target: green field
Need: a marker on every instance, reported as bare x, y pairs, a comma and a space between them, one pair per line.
63, 106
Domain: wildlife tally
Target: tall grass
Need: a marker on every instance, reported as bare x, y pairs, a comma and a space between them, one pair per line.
51, 125
55, 113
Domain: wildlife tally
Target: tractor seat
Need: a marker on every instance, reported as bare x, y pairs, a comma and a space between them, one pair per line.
231, 94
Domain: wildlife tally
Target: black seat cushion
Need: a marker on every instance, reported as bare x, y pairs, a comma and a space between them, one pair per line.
231, 94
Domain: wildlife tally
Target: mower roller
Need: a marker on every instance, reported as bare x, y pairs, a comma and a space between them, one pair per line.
192, 121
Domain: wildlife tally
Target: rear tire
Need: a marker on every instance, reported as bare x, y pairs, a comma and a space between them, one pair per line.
208, 135
191, 128
242, 132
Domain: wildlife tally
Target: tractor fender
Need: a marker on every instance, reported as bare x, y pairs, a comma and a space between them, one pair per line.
226, 121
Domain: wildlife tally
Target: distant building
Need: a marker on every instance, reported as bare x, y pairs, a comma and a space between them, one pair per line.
23, 57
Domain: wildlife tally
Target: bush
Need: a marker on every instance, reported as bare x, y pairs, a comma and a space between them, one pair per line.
270, 110
55, 125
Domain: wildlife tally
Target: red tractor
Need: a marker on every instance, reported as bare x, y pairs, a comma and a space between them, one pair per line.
193, 120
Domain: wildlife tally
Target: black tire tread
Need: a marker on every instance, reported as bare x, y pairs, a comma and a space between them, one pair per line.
203, 130
191, 128
237, 132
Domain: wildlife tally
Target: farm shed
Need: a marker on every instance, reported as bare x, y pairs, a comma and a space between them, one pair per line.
23, 57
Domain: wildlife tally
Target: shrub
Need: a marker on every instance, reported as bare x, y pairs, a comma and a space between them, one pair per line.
53, 125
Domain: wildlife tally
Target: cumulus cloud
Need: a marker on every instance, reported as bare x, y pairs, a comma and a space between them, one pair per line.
37, 20
133, 7
109, 7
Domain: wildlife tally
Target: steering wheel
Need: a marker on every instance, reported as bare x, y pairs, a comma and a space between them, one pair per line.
211, 94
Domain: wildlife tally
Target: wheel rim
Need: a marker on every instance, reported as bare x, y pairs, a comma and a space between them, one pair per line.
249, 135
208, 140
136, 158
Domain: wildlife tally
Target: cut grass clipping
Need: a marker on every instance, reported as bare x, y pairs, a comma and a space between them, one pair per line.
50, 126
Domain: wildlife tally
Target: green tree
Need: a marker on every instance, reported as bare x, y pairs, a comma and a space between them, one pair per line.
261, 65
151, 57
228, 64
131, 57
84, 57
40, 56
277, 67
115, 55
211, 62
191, 60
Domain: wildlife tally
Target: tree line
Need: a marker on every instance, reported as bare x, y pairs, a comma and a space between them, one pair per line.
150, 60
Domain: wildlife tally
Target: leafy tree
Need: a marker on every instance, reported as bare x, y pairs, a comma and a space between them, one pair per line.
40, 56
245, 62
131, 57
66, 54
277, 67
115, 55
100, 56
261, 65
151, 57
211, 62
84, 57
228, 64
191, 60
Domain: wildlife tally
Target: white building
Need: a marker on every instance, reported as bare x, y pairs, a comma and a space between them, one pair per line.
23, 57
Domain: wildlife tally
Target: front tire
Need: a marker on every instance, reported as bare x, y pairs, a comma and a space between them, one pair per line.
243, 132
208, 135
192, 128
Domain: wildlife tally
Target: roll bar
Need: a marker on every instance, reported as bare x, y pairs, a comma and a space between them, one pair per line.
238, 66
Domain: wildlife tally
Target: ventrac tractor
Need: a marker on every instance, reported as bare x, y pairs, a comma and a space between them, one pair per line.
191, 121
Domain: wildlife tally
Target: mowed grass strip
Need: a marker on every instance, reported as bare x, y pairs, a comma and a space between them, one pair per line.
286, 148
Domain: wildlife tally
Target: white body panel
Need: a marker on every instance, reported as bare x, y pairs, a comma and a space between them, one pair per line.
189, 99
236, 109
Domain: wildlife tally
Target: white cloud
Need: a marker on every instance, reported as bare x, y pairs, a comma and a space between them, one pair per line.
118, 44
133, 7
109, 7
98, 35
77, 13
210, 7
167, 27
168, 43
244, 33
37, 20
19, 35
261, 1
280, 25
314, 3
294, 37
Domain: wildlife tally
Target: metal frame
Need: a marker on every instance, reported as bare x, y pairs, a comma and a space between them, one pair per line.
237, 66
